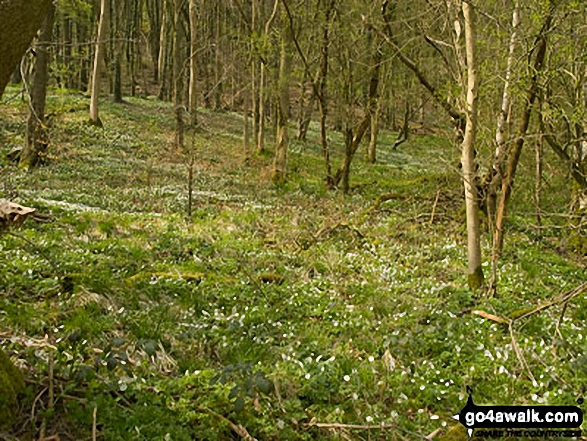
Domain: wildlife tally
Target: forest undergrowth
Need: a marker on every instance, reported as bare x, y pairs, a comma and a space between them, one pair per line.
272, 312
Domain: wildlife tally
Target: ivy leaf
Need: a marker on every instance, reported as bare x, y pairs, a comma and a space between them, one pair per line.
239, 404
233, 392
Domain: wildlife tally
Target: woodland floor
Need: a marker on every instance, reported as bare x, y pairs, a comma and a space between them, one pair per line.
271, 308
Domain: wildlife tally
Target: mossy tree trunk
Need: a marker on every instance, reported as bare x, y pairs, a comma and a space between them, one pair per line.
11, 385
36, 136
19, 22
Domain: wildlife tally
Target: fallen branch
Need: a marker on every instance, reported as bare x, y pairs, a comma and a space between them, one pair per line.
189, 277
236, 428
563, 299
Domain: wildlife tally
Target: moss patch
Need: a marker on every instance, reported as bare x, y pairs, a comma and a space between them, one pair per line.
11, 384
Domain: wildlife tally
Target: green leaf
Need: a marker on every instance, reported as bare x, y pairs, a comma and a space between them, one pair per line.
239, 404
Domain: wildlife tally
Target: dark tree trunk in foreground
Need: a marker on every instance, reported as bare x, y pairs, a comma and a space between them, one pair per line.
19, 22
36, 136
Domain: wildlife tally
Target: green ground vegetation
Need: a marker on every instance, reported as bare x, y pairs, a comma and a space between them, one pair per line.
271, 308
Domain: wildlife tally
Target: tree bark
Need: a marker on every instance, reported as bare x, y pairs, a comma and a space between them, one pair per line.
98, 57
372, 149
36, 135
164, 50
497, 171
353, 139
475, 270
178, 72
514, 156
193, 104
19, 22
280, 162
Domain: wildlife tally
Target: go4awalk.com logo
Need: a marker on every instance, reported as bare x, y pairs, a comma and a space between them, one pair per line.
520, 421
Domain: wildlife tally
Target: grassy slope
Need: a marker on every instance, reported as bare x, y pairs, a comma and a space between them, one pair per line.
356, 316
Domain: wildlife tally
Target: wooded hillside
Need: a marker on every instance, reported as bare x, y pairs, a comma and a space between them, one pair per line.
271, 219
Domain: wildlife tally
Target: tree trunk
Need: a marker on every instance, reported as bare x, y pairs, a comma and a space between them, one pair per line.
164, 49
514, 156
306, 111
372, 150
280, 162
98, 56
262, 86
36, 136
261, 110
246, 128
178, 74
353, 140
496, 177
19, 23
193, 100
475, 270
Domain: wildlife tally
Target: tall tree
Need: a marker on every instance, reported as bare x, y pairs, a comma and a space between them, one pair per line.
98, 59
514, 155
36, 135
19, 22
282, 141
475, 270
193, 87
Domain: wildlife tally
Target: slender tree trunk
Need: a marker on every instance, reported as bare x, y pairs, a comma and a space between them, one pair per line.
193, 100
475, 270
254, 80
261, 107
538, 183
154, 12
372, 150
356, 136
164, 49
36, 136
178, 72
98, 59
217, 57
500, 135
262, 86
117, 47
321, 92
306, 110
514, 155
246, 128
280, 162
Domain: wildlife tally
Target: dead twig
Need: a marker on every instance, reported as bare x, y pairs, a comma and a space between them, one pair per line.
51, 404
434, 206
236, 428
519, 353
94, 425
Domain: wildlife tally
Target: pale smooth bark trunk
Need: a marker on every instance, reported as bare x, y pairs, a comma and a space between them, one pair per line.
502, 119
514, 155
98, 58
475, 270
